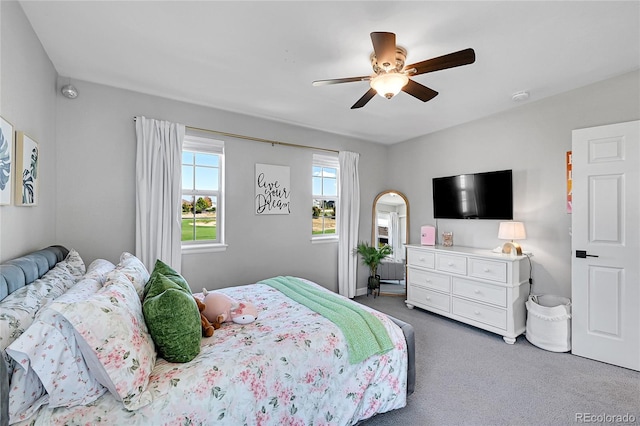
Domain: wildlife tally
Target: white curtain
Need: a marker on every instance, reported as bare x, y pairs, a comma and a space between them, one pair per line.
394, 231
348, 222
158, 191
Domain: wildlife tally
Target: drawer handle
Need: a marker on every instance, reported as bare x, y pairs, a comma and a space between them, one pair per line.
428, 298
450, 263
476, 312
422, 259
487, 270
428, 280
476, 291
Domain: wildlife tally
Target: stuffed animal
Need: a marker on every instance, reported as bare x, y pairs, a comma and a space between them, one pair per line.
222, 308
218, 306
207, 327
245, 313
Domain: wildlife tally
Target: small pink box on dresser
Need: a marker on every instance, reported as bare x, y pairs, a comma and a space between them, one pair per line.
428, 235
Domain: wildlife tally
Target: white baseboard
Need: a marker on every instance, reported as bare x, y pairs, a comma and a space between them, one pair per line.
362, 291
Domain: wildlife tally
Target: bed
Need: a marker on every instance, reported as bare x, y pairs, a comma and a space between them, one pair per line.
290, 366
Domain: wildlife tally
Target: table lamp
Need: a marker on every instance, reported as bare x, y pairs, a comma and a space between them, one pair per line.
512, 231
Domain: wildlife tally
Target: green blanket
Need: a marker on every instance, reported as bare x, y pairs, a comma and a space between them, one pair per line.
364, 333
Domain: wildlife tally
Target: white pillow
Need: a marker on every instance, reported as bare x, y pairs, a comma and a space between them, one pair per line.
135, 271
114, 340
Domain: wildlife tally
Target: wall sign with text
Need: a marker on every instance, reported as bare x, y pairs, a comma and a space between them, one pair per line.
273, 189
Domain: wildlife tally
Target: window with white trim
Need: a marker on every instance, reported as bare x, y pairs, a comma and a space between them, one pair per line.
325, 196
202, 192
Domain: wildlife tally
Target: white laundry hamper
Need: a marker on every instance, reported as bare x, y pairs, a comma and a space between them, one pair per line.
549, 322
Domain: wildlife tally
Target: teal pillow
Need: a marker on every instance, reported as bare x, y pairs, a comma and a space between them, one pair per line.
173, 320
162, 268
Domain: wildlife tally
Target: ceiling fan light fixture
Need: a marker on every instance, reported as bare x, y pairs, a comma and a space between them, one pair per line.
388, 85
388, 80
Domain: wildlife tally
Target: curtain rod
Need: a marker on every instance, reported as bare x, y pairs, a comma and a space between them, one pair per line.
251, 138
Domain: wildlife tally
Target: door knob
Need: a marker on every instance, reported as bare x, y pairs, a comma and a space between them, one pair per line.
582, 254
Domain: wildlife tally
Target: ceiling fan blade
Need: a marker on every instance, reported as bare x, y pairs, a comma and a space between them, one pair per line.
419, 91
456, 59
364, 99
341, 80
384, 46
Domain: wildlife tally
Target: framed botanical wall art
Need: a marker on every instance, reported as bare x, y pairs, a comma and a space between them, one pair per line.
6, 161
26, 177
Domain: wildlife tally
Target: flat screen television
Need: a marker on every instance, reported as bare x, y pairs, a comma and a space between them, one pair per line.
486, 195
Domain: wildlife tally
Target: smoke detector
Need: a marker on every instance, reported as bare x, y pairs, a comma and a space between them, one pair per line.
69, 91
520, 96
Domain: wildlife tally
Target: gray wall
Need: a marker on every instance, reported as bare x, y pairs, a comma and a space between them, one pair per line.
96, 187
532, 141
87, 187
27, 100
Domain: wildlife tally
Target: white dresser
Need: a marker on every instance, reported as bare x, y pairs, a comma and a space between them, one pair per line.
475, 286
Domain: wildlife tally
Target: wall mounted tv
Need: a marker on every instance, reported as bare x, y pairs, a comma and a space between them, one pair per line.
474, 196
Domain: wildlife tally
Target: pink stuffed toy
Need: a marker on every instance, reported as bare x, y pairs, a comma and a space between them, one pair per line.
245, 313
222, 308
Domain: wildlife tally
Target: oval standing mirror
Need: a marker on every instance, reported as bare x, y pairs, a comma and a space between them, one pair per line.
390, 225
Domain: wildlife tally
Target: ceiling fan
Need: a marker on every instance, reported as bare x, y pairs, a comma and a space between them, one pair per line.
390, 75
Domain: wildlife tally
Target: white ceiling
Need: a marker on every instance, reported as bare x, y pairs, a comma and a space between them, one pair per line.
259, 58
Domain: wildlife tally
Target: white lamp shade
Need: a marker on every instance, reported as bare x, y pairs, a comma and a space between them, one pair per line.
512, 231
388, 85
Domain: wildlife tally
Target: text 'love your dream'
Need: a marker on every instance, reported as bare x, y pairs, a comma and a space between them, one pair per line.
273, 197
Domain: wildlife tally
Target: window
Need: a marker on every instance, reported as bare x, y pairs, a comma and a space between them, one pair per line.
202, 192
383, 228
325, 196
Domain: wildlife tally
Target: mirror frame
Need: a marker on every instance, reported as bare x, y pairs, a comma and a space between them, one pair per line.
374, 218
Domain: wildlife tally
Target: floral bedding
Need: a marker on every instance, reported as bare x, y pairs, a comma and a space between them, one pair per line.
289, 367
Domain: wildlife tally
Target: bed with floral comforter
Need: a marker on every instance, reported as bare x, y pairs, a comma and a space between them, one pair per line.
291, 366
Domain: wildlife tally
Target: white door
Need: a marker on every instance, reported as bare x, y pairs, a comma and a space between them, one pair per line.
605, 283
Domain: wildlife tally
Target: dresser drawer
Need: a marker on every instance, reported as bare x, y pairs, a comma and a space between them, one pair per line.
421, 258
487, 269
430, 280
487, 293
428, 298
451, 263
489, 315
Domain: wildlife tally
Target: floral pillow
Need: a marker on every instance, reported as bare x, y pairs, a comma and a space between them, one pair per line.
47, 358
98, 270
113, 338
73, 263
135, 270
18, 309
26, 393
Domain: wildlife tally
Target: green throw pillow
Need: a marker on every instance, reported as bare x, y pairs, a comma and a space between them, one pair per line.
166, 270
173, 320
